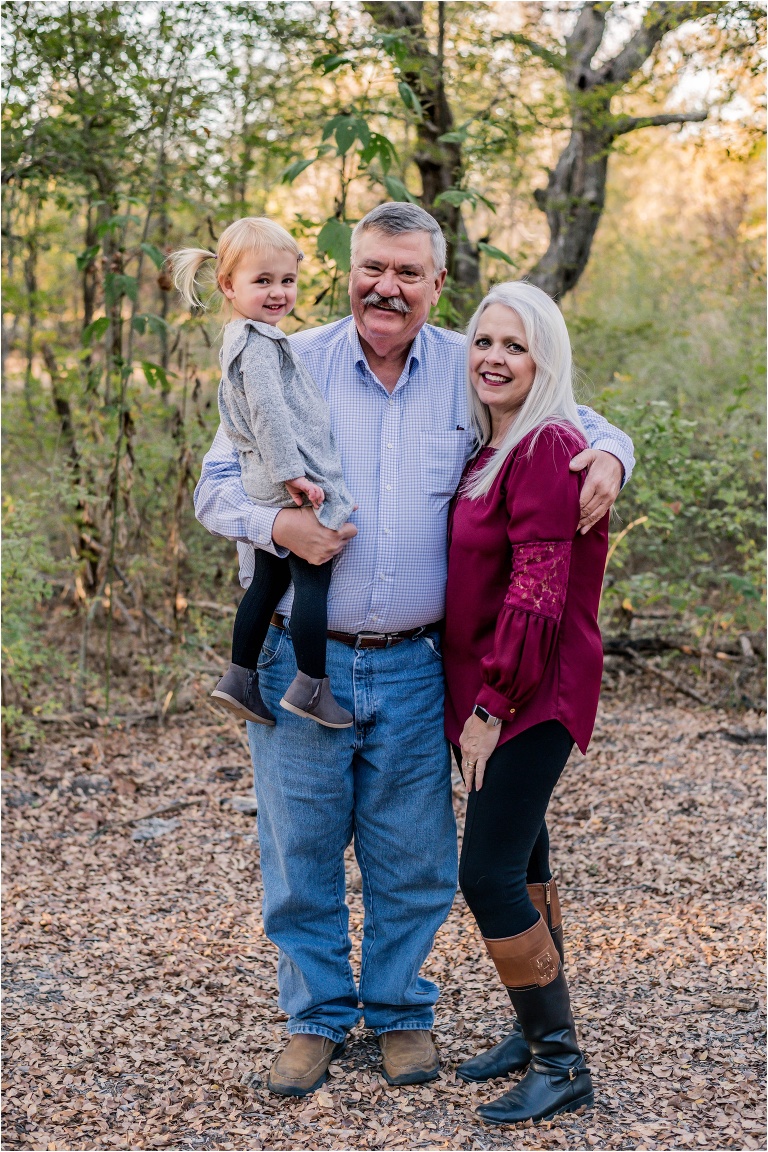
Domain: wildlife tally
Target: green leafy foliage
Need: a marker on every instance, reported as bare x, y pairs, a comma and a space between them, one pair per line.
154, 253
26, 572
409, 98
346, 129
398, 190
296, 169
155, 375
132, 129
335, 240
379, 148
117, 284
94, 331
85, 259
701, 552
330, 62
495, 253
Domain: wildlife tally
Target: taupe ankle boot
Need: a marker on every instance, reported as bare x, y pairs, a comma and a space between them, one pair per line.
314, 700
238, 692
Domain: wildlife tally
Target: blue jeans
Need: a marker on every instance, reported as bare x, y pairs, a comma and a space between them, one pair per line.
385, 783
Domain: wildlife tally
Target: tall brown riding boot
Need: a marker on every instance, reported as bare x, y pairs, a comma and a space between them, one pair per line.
512, 1053
557, 1079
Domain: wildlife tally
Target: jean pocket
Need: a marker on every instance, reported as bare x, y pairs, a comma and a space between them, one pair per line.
433, 647
442, 456
271, 647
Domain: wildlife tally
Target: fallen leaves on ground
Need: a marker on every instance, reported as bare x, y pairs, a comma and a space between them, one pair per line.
140, 1002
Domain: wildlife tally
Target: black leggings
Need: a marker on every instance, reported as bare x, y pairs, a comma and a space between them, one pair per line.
309, 614
506, 844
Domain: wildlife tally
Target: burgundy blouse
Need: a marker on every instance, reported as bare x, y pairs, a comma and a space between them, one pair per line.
521, 633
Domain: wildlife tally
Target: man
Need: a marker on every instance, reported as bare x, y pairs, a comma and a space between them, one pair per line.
397, 395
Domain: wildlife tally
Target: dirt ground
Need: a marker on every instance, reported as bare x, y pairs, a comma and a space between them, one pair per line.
140, 994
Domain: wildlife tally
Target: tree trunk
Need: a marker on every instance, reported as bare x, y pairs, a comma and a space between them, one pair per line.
83, 521
439, 162
574, 197
30, 284
90, 276
573, 201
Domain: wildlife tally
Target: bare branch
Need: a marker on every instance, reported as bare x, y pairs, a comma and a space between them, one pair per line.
624, 124
554, 59
587, 35
660, 19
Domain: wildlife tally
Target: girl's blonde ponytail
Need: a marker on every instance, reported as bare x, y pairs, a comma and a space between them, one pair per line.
186, 263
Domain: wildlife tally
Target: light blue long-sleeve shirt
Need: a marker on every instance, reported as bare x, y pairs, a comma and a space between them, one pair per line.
402, 456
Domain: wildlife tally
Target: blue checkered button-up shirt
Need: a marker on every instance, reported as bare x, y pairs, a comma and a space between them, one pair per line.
402, 455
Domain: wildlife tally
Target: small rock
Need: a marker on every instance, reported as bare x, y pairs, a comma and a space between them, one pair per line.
153, 828
89, 785
20, 799
228, 772
245, 804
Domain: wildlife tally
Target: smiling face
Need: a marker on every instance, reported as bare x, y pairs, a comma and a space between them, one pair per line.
500, 367
392, 286
262, 286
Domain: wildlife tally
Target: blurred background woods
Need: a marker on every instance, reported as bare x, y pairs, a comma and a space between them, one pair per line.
613, 153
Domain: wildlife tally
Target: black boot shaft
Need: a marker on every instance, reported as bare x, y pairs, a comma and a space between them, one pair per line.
557, 1079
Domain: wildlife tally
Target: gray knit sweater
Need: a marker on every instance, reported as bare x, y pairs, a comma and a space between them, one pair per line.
273, 412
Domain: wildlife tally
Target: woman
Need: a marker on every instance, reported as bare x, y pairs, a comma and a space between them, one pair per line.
523, 661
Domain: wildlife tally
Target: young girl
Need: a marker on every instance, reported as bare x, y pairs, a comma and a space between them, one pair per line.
274, 414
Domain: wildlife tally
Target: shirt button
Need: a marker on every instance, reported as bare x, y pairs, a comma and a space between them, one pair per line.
389, 445
389, 487
386, 531
382, 577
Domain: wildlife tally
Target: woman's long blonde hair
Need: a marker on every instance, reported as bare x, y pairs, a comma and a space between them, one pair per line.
244, 237
550, 400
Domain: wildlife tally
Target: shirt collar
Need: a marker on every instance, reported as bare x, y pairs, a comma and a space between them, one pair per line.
415, 355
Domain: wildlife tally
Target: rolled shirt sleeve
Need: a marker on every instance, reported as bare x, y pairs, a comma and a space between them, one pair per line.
608, 438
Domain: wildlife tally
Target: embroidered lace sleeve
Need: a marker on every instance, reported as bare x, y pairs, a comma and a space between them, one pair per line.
542, 501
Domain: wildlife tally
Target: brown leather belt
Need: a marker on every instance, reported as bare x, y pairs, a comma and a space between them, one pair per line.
367, 639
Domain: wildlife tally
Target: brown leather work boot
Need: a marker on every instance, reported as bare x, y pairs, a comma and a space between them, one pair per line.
302, 1065
409, 1057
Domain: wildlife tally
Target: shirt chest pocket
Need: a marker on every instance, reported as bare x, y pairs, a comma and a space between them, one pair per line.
442, 456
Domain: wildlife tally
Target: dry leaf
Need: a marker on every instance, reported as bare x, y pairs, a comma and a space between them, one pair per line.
141, 991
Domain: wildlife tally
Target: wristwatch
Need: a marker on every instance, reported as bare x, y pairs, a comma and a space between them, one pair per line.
485, 716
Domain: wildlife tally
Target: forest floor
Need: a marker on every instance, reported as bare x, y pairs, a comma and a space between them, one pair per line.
140, 991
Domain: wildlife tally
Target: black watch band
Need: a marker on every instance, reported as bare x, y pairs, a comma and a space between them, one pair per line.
485, 716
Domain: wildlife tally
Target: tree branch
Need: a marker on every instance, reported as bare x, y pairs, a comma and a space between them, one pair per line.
660, 19
587, 35
554, 59
395, 14
624, 124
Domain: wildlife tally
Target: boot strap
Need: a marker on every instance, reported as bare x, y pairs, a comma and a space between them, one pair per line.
526, 959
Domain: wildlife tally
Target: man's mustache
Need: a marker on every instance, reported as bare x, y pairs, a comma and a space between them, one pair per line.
392, 303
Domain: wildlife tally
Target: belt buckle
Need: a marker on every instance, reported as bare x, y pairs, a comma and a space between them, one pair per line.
369, 636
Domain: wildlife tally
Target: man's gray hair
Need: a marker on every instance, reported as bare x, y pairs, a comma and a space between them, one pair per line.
392, 219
